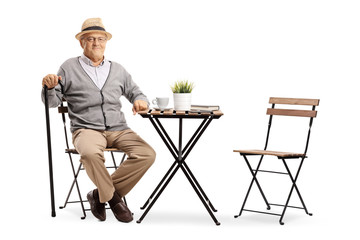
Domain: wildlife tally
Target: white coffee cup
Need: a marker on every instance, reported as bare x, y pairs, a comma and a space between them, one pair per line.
161, 102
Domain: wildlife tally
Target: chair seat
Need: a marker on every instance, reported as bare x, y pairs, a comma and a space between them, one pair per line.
73, 150
273, 153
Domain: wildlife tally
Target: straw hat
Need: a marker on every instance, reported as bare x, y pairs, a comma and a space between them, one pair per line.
92, 25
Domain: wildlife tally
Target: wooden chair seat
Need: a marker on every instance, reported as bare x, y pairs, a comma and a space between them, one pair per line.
73, 150
273, 153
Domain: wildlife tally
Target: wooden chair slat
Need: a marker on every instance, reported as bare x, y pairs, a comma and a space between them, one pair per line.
291, 112
112, 150
294, 101
273, 153
73, 150
63, 109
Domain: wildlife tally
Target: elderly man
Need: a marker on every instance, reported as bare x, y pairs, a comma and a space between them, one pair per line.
92, 87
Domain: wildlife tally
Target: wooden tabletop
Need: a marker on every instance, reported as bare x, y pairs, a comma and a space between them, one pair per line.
171, 113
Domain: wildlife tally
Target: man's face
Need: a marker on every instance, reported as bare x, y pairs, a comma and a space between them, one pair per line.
94, 45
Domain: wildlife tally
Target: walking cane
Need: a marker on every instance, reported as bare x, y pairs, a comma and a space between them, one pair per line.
53, 213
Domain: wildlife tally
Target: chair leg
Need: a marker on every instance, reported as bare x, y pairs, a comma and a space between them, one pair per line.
294, 186
70, 190
75, 183
254, 179
76, 174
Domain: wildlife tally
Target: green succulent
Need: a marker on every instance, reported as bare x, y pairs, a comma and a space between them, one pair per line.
182, 86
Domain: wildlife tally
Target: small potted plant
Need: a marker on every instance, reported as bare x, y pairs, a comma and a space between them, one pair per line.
182, 95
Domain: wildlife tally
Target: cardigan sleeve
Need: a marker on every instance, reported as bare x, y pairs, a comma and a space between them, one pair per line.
132, 91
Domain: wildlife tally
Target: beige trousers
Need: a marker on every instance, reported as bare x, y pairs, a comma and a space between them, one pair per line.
90, 144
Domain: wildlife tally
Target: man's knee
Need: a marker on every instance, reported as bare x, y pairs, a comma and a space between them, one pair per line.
92, 155
150, 156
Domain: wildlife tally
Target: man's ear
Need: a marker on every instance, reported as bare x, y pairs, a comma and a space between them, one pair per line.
81, 43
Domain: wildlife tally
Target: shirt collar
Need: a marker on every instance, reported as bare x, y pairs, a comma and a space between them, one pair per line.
87, 61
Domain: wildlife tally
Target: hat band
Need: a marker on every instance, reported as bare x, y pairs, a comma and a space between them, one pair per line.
94, 28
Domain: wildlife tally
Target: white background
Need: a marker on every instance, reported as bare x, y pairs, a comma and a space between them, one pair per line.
238, 53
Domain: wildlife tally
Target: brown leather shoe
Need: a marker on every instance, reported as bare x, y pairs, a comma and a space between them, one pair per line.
122, 212
97, 208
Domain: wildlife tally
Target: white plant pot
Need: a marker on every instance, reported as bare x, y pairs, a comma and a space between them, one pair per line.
182, 101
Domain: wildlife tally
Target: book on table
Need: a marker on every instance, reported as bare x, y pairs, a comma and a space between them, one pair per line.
207, 108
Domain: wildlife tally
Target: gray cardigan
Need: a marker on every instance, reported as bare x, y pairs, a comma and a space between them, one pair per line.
90, 107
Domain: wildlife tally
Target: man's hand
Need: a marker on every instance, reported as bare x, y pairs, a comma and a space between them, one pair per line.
139, 105
51, 80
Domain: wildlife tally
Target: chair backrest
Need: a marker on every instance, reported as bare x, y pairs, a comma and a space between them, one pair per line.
292, 111
63, 110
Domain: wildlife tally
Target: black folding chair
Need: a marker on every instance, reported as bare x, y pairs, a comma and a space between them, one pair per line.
63, 110
283, 156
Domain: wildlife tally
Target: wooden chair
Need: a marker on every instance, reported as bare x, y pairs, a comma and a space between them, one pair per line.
283, 156
63, 110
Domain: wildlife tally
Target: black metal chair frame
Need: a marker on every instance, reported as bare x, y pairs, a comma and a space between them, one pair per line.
283, 156
63, 110
69, 151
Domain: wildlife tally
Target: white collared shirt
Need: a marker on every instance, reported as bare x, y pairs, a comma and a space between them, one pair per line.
98, 74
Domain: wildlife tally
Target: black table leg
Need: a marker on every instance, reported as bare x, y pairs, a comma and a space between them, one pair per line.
180, 155
158, 186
